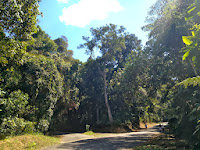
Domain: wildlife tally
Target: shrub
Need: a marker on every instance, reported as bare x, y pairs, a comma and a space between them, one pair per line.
16, 104
16, 126
43, 125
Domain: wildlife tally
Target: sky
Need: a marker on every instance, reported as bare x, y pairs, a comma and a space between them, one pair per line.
74, 18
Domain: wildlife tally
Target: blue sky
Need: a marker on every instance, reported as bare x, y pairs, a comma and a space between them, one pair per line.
74, 18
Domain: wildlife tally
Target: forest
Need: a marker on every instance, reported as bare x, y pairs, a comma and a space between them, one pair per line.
43, 88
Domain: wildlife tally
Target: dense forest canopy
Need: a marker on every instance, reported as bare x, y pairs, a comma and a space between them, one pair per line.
43, 88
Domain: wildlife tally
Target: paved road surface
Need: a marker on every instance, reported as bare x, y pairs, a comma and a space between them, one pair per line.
122, 141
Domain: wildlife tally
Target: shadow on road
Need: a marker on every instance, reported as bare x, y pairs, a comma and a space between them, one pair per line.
108, 143
122, 141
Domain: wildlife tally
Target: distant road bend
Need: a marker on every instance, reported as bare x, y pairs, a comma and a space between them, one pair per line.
122, 141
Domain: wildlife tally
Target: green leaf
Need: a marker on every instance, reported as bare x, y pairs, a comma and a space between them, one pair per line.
189, 11
194, 58
193, 33
188, 18
186, 40
186, 55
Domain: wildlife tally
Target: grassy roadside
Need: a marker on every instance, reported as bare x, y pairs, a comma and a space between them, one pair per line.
28, 142
91, 133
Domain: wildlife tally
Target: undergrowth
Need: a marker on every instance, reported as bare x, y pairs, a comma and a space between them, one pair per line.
164, 142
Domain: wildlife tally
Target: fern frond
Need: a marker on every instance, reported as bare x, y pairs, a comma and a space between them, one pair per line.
190, 82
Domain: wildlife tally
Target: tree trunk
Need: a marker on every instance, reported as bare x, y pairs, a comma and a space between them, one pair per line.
98, 115
106, 97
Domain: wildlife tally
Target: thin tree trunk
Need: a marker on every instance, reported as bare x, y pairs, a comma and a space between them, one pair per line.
106, 97
98, 115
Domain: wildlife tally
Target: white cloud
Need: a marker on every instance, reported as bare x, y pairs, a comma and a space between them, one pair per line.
85, 11
63, 1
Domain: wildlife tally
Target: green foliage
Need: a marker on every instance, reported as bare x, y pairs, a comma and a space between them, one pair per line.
19, 17
191, 85
42, 44
185, 102
115, 45
43, 125
38, 82
187, 40
15, 126
62, 44
192, 49
47, 86
188, 110
108, 39
44, 84
190, 82
169, 22
16, 104
11, 50
18, 20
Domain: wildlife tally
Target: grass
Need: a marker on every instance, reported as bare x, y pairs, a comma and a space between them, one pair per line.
91, 133
28, 142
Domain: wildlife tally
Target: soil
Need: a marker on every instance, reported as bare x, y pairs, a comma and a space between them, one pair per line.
109, 141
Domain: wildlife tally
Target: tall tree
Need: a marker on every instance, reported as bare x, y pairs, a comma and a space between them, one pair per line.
109, 41
166, 27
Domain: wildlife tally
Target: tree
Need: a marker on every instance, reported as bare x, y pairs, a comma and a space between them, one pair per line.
42, 44
18, 22
109, 41
174, 68
44, 84
166, 27
62, 44
186, 93
192, 41
19, 18
16, 105
92, 85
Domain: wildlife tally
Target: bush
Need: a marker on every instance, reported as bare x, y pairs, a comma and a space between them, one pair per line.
43, 125
15, 105
16, 126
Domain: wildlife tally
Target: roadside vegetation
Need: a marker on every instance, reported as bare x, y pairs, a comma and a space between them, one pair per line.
44, 89
28, 142
96, 135
164, 142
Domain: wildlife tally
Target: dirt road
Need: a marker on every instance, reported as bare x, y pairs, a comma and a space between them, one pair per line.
122, 141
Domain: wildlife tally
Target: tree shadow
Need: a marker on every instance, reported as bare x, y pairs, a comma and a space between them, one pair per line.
108, 143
